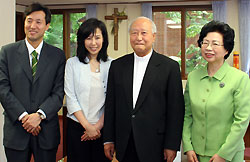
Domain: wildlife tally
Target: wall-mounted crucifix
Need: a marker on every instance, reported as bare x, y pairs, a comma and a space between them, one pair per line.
116, 17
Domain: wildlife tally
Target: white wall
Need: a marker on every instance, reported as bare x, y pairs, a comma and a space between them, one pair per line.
7, 33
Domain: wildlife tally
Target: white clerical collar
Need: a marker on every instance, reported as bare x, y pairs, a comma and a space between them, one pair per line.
31, 48
144, 58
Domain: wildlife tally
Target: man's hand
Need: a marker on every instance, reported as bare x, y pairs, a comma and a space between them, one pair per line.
109, 149
217, 158
36, 131
191, 156
169, 155
25, 118
31, 121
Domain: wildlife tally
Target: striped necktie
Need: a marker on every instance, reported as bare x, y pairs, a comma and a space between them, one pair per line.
34, 62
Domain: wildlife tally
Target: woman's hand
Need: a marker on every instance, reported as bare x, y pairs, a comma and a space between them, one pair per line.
91, 133
217, 158
98, 126
191, 156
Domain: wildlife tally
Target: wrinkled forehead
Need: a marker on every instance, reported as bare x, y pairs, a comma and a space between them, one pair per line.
141, 24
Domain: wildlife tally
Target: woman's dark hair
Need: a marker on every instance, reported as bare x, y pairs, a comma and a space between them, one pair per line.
89, 27
38, 7
222, 28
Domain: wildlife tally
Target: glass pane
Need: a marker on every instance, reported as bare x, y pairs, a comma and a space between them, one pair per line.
76, 20
54, 35
168, 37
194, 22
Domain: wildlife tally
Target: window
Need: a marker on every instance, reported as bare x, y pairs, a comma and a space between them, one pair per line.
63, 28
62, 31
54, 35
178, 30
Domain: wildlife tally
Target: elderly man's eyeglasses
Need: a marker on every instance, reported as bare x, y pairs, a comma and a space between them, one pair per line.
214, 45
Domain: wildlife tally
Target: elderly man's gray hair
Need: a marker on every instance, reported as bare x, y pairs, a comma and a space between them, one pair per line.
154, 30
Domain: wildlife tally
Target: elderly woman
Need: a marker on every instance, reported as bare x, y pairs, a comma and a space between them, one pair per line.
217, 101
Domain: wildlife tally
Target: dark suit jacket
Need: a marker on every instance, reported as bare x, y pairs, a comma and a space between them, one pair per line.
19, 92
157, 120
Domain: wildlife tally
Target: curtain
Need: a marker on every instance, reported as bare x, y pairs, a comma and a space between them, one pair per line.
219, 10
146, 10
244, 29
91, 11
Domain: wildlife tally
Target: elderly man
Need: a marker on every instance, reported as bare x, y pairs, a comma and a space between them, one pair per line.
144, 104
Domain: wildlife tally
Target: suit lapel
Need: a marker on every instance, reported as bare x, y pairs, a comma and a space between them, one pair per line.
23, 57
42, 62
148, 79
128, 70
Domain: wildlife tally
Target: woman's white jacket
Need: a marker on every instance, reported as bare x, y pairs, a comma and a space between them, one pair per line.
77, 84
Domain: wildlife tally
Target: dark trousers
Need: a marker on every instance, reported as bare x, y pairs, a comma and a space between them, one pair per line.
130, 154
40, 155
83, 151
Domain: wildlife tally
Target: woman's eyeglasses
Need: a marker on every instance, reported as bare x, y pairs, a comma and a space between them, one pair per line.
214, 45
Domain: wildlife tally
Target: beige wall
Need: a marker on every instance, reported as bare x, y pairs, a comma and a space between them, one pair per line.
7, 33
7, 17
132, 11
233, 21
2, 155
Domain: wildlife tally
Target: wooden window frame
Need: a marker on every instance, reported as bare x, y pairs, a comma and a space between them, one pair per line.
66, 47
183, 9
66, 26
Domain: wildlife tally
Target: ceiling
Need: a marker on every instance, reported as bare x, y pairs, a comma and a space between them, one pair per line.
77, 2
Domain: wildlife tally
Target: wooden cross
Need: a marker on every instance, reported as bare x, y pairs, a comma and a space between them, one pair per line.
116, 17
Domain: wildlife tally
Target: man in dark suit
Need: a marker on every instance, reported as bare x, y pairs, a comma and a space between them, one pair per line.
31, 91
144, 104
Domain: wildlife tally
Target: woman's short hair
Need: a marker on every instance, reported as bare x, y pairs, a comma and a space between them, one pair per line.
222, 28
89, 27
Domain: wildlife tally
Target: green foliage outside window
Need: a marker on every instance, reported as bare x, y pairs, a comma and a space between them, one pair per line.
54, 35
76, 20
194, 22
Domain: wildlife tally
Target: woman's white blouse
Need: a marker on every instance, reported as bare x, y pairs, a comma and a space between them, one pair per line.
96, 98
77, 87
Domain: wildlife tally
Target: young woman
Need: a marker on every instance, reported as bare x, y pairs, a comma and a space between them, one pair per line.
85, 87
